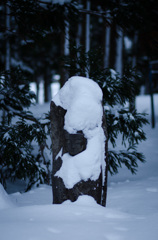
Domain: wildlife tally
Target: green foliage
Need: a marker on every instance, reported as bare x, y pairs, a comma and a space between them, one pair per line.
20, 133
127, 157
116, 90
36, 19
117, 93
127, 127
14, 90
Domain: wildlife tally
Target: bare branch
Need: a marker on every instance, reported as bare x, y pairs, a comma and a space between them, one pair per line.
102, 14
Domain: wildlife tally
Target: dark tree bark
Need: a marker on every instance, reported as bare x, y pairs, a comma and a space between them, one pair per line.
63, 142
112, 56
105, 179
47, 84
64, 49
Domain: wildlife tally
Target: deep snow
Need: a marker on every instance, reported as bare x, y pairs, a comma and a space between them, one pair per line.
131, 212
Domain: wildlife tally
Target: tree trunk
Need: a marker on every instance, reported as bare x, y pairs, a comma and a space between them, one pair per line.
7, 53
87, 39
119, 52
79, 34
47, 84
70, 179
37, 90
105, 165
107, 45
85, 32
134, 62
7, 58
112, 57
64, 46
73, 144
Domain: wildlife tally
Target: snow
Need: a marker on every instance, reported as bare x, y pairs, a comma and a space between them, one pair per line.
61, 2
131, 212
84, 200
82, 98
5, 201
85, 165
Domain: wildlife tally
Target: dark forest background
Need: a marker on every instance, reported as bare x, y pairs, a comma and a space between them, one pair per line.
36, 35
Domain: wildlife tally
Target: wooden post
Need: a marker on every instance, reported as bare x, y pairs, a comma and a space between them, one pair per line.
151, 97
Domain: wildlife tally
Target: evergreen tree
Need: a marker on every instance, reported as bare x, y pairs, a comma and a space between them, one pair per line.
40, 25
36, 25
19, 131
135, 18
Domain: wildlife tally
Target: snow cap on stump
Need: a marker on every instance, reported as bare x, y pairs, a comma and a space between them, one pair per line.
78, 140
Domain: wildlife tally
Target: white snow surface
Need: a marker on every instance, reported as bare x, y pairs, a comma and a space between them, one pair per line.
5, 201
131, 212
82, 98
85, 165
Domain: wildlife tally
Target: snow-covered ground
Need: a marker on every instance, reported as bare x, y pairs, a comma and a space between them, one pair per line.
131, 212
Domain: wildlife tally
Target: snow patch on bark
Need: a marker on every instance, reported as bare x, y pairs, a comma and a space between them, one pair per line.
82, 98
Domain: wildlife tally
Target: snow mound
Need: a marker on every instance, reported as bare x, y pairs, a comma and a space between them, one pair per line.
86, 200
81, 97
4, 199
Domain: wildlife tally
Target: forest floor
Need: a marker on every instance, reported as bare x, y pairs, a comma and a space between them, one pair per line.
132, 203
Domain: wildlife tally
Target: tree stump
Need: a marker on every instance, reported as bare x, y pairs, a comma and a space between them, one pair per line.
78, 141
